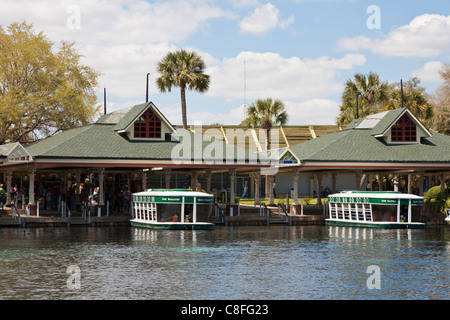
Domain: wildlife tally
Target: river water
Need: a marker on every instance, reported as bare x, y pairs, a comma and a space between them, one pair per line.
227, 263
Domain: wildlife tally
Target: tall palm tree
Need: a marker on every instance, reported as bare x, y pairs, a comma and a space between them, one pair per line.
265, 114
183, 69
370, 93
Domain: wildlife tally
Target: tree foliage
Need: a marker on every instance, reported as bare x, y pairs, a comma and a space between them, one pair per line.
414, 98
265, 113
43, 90
374, 95
441, 120
362, 96
183, 69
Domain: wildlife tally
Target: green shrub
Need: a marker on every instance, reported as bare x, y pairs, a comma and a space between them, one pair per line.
439, 201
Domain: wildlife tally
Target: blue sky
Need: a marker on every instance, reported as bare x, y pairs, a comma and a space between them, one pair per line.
299, 51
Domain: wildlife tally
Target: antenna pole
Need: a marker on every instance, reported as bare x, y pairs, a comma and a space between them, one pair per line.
104, 100
401, 91
146, 94
245, 85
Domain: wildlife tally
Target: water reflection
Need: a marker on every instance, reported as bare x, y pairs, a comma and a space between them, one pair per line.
276, 262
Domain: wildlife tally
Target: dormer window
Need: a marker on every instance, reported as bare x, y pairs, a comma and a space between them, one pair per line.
404, 130
148, 125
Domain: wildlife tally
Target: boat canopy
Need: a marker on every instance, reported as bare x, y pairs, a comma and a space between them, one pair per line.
174, 196
376, 197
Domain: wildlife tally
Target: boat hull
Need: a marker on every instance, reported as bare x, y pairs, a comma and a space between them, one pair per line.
172, 225
375, 225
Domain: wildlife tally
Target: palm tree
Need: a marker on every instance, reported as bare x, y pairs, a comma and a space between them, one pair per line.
414, 98
369, 91
183, 69
265, 114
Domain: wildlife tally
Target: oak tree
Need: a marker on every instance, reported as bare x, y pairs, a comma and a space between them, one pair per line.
43, 89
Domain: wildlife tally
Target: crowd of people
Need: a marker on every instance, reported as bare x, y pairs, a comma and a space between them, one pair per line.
74, 196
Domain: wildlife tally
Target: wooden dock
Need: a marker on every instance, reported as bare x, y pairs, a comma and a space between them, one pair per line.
245, 216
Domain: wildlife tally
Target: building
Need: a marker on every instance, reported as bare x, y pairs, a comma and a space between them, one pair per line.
131, 149
139, 148
378, 149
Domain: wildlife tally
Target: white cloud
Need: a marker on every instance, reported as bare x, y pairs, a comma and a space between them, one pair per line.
233, 116
425, 36
313, 111
429, 72
103, 22
123, 39
263, 19
271, 75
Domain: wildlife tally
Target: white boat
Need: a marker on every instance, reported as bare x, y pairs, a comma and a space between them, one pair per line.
172, 209
375, 209
447, 218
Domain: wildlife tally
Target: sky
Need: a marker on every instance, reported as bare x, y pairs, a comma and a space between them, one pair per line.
298, 51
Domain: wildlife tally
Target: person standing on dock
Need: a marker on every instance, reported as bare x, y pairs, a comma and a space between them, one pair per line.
2, 196
245, 194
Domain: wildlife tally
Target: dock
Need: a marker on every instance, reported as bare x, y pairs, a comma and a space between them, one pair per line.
8, 218
249, 215
245, 216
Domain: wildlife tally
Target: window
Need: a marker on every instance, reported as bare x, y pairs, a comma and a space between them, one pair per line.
147, 125
404, 130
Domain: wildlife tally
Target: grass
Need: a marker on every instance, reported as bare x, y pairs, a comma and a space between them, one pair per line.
282, 200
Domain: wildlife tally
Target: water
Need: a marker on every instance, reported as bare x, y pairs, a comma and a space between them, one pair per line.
276, 262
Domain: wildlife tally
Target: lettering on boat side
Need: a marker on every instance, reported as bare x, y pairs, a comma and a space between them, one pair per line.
374, 280
349, 199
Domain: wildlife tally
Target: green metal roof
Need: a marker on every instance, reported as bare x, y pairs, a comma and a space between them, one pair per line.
100, 141
357, 143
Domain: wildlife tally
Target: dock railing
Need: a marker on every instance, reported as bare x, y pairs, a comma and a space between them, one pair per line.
283, 211
218, 212
262, 209
16, 213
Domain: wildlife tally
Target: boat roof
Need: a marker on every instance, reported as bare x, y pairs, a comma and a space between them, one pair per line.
173, 193
377, 194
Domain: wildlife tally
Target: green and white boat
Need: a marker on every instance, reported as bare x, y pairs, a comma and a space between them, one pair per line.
375, 209
172, 209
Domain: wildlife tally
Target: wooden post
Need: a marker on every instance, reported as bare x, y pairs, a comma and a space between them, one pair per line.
295, 191
232, 173
167, 177
319, 188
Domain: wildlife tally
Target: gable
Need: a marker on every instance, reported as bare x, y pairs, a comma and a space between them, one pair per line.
144, 121
15, 152
401, 126
288, 158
